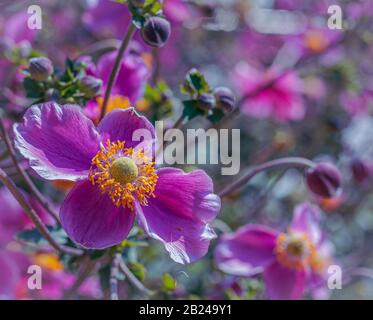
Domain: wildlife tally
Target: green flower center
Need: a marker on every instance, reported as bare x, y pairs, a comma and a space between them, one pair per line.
124, 170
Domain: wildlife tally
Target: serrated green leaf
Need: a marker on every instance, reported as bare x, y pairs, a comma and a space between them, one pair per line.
197, 81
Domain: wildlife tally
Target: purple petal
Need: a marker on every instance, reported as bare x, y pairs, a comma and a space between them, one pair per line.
247, 251
179, 214
121, 125
59, 141
92, 220
284, 283
132, 76
306, 219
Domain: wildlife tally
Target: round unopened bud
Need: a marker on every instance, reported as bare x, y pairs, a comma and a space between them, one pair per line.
324, 179
156, 31
361, 169
40, 68
90, 86
206, 101
225, 98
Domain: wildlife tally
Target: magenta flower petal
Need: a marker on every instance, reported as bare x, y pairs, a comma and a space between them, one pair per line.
132, 75
283, 283
59, 141
121, 125
179, 214
91, 219
247, 251
306, 219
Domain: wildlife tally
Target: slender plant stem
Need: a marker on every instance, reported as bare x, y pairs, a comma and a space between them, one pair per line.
30, 212
132, 279
278, 163
114, 270
34, 190
114, 72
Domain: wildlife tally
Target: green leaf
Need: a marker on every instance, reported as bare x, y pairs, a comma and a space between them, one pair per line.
33, 89
169, 283
35, 236
216, 116
196, 80
191, 109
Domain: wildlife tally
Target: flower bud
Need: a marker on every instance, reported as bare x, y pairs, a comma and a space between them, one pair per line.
361, 169
90, 86
225, 98
324, 179
206, 101
40, 68
156, 31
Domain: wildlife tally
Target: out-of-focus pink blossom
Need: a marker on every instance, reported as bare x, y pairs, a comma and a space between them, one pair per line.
270, 94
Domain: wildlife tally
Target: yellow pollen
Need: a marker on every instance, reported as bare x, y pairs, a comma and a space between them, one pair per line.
295, 250
124, 170
124, 174
115, 102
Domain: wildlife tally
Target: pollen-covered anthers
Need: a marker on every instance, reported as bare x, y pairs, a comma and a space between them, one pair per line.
124, 174
295, 250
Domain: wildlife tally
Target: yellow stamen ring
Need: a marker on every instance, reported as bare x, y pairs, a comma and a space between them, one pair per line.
124, 174
295, 250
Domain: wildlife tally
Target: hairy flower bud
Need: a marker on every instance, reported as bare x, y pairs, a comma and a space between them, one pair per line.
225, 98
40, 68
324, 179
156, 31
90, 86
206, 101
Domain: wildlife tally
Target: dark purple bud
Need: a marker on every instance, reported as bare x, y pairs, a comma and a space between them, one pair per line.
324, 179
225, 98
206, 101
40, 68
156, 31
90, 86
361, 169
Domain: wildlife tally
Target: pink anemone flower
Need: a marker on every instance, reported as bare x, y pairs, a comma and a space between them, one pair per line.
291, 261
116, 181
